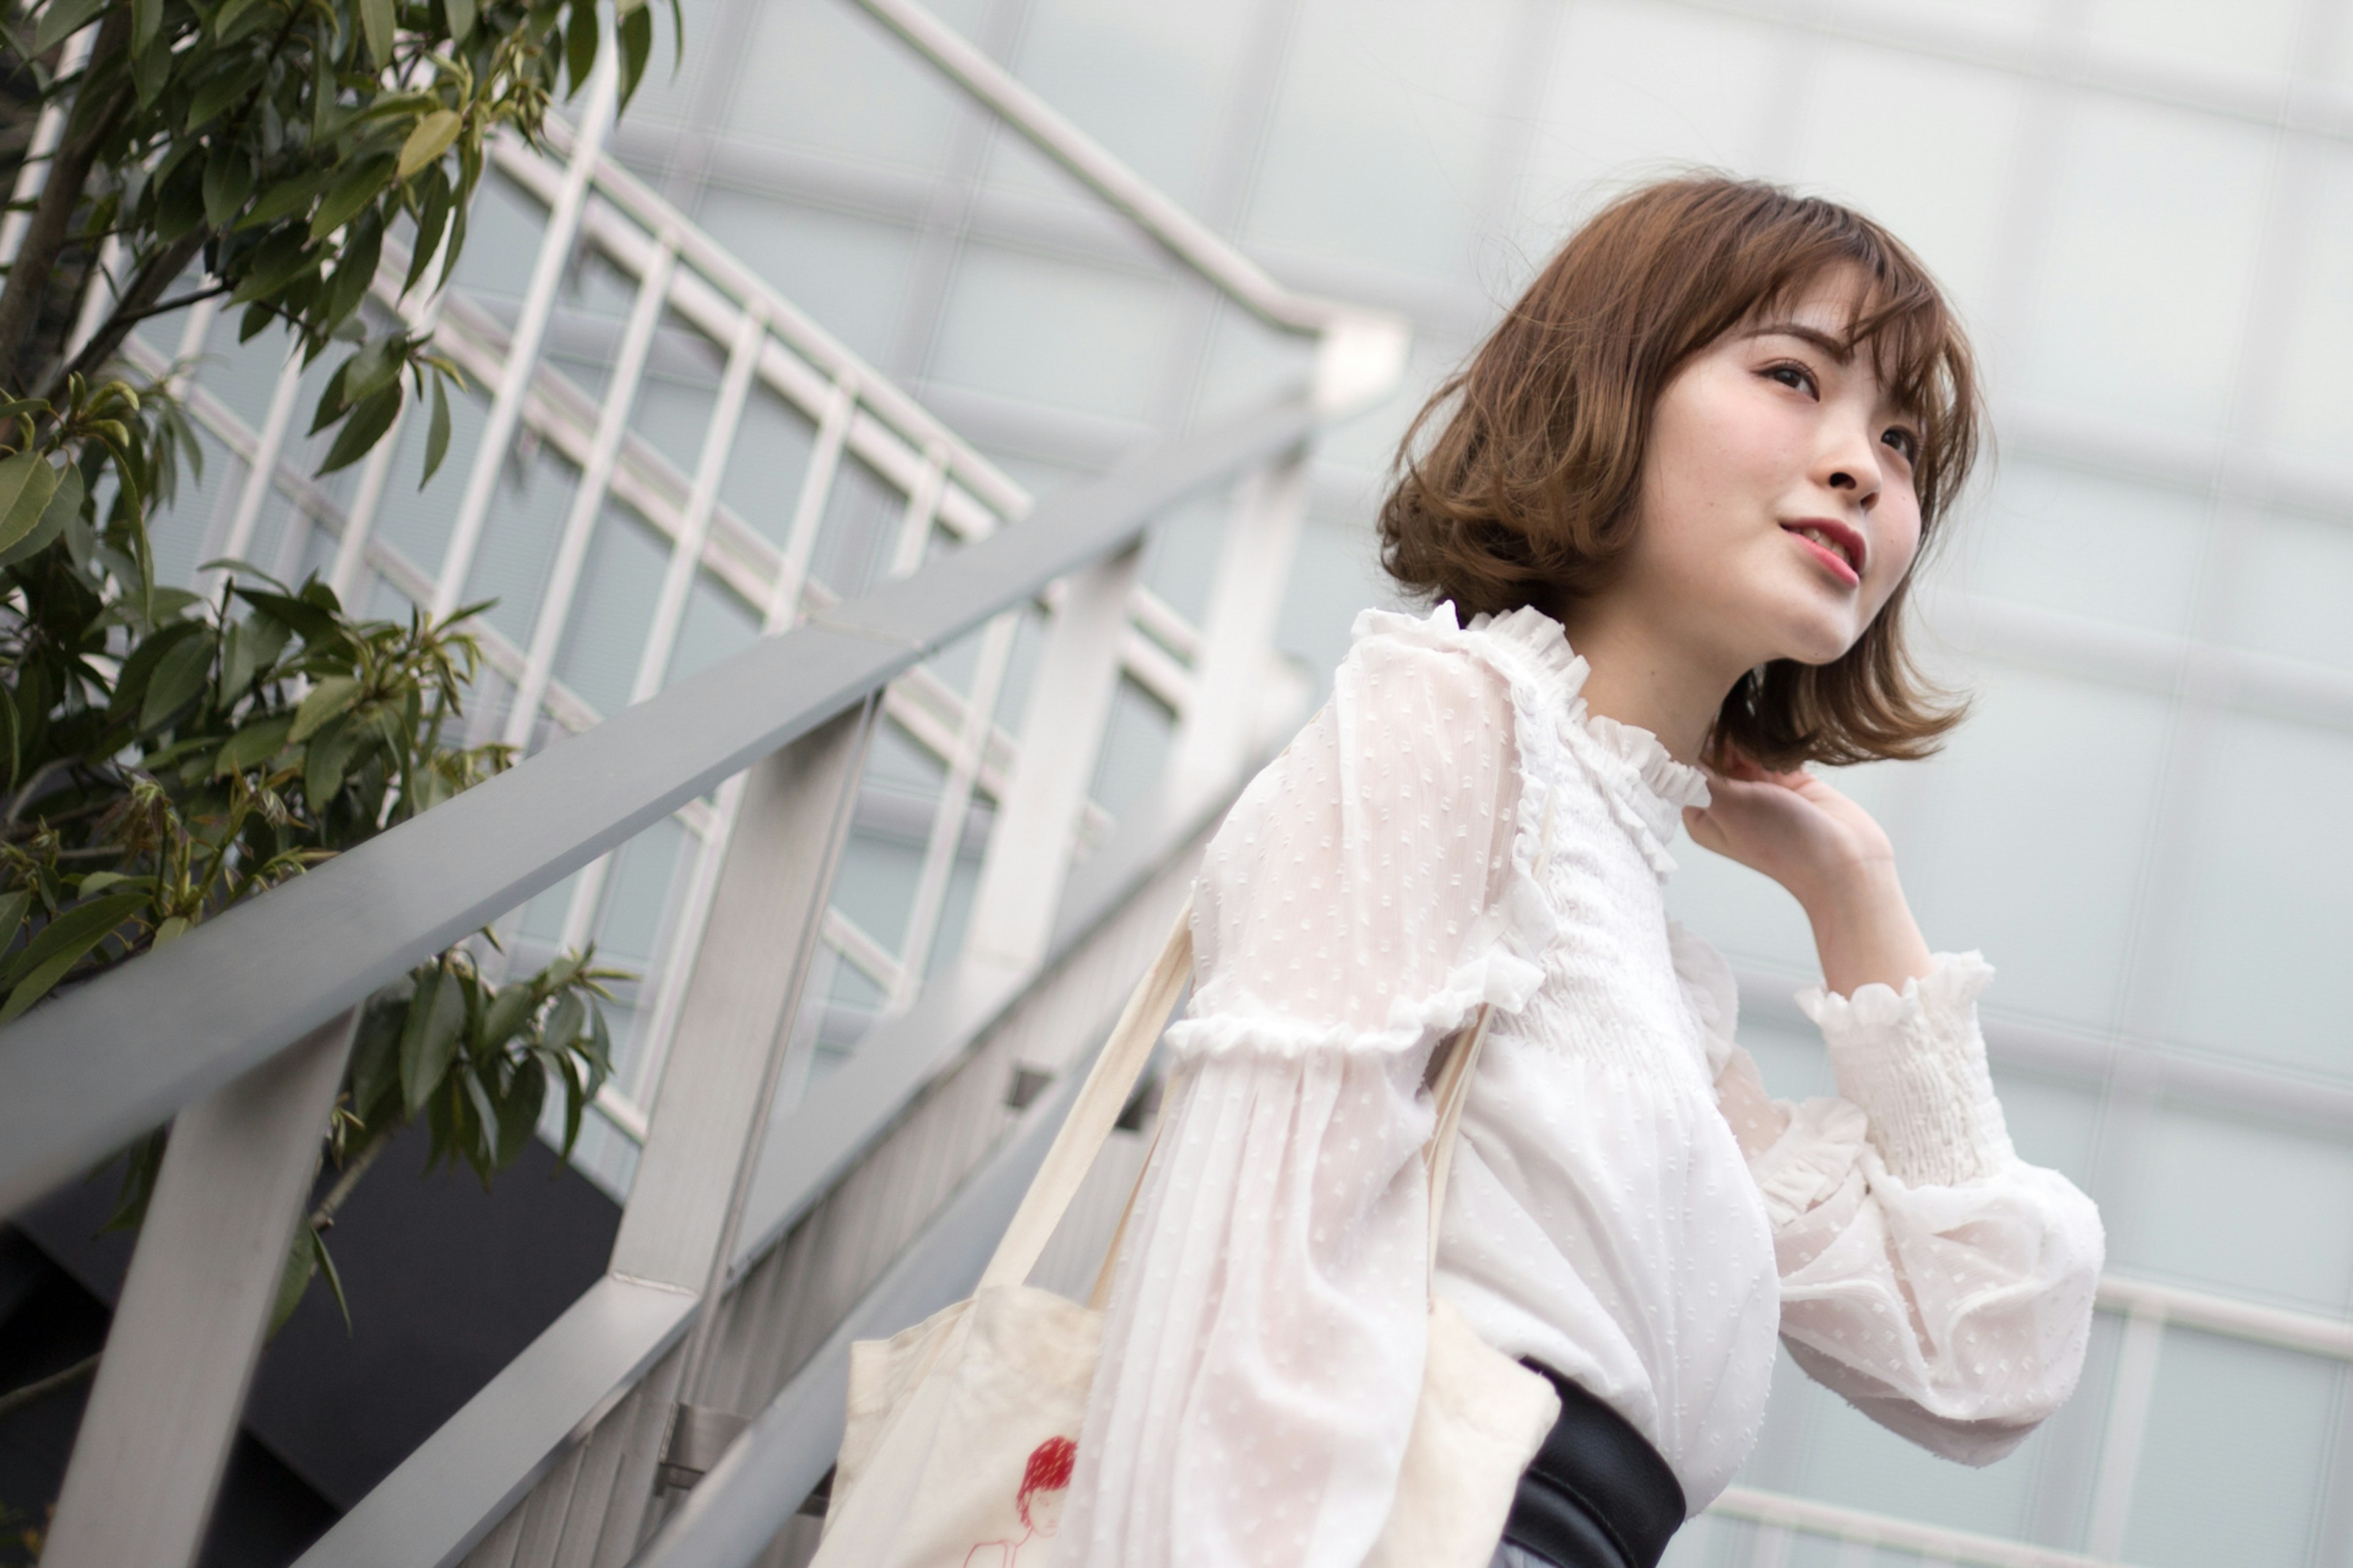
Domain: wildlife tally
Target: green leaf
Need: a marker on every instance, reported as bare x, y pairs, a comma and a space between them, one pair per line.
432, 214
355, 269
131, 681
174, 927
335, 1280
64, 506
13, 907
253, 645
432, 137
580, 45
436, 1014
283, 257
363, 183
178, 681
506, 1014
314, 625
329, 758
565, 1025
26, 483
217, 93
253, 745
519, 1109
375, 17
363, 429
285, 198
293, 1278
60, 945
150, 68
376, 1052
146, 20
635, 34
226, 17
62, 20
328, 699
436, 433
229, 179
461, 15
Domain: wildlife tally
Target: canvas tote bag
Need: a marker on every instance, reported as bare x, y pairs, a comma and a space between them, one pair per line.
963, 1429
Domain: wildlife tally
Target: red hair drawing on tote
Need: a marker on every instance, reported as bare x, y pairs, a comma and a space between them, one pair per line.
1045, 1482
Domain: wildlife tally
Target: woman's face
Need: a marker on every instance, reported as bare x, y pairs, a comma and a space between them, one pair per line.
1777, 507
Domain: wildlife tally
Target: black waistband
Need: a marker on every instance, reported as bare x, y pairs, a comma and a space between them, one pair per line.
1597, 1493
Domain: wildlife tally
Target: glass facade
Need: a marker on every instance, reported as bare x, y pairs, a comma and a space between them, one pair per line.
2145, 209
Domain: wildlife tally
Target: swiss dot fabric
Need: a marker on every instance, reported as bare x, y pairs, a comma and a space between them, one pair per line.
1628, 1204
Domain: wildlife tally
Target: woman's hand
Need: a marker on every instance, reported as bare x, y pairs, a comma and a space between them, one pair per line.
1834, 860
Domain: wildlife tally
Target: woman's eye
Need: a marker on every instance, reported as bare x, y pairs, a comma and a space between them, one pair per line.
1904, 441
1796, 376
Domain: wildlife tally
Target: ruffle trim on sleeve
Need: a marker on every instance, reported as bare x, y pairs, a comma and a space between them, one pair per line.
1503, 956
1812, 1159
1915, 1061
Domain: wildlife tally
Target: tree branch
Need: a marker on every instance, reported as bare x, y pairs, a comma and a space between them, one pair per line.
30, 275
16, 1399
134, 305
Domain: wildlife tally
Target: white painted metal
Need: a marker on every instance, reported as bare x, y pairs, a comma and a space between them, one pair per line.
1783, 1515
588, 496
520, 357
2129, 1406
261, 468
686, 555
1037, 821
1254, 558
187, 1330
98, 295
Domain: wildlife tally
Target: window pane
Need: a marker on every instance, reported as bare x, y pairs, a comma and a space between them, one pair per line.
1056, 332
2293, 588
2224, 1203
2256, 34
2145, 284
2085, 544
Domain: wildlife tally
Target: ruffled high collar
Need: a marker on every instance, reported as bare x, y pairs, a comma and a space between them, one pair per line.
1632, 762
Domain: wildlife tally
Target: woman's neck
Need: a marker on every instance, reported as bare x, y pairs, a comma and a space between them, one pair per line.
1641, 678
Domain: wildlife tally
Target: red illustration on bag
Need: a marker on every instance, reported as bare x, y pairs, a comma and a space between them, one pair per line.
1045, 1484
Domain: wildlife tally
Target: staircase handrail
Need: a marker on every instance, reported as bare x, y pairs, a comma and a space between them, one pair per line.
94, 1069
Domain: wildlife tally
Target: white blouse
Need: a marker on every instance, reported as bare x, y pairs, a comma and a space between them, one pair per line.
1627, 1206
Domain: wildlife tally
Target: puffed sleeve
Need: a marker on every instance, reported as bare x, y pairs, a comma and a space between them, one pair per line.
1263, 1345
1938, 1281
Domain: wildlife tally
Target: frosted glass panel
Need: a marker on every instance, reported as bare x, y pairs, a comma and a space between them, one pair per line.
1152, 83
2225, 1205
2028, 838
2267, 915
1637, 89
824, 75
2310, 414
1384, 131
1884, 138
1076, 337
2256, 34
2086, 545
2230, 1469
2152, 251
849, 273
2293, 590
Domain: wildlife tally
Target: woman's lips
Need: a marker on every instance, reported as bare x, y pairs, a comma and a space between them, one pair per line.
1840, 550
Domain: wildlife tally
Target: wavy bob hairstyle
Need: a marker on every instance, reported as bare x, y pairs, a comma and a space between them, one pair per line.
1517, 483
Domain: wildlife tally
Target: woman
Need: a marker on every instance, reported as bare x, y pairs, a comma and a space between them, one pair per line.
1668, 518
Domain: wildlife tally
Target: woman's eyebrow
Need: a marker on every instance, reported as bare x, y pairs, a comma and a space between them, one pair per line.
1838, 350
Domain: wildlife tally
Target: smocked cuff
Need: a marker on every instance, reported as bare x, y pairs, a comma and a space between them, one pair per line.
1915, 1061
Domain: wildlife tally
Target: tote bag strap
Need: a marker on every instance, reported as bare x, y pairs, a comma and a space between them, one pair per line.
1105, 1094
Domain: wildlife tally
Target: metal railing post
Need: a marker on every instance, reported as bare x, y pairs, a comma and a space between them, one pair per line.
188, 1329
704, 1140
1070, 702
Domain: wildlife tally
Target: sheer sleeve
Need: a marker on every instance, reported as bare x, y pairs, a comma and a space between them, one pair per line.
1938, 1281
1263, 1347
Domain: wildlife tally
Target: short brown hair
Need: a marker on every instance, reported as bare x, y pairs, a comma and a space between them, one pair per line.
1526, 491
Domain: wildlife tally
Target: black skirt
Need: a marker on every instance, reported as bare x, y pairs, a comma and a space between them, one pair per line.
1596, 1495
